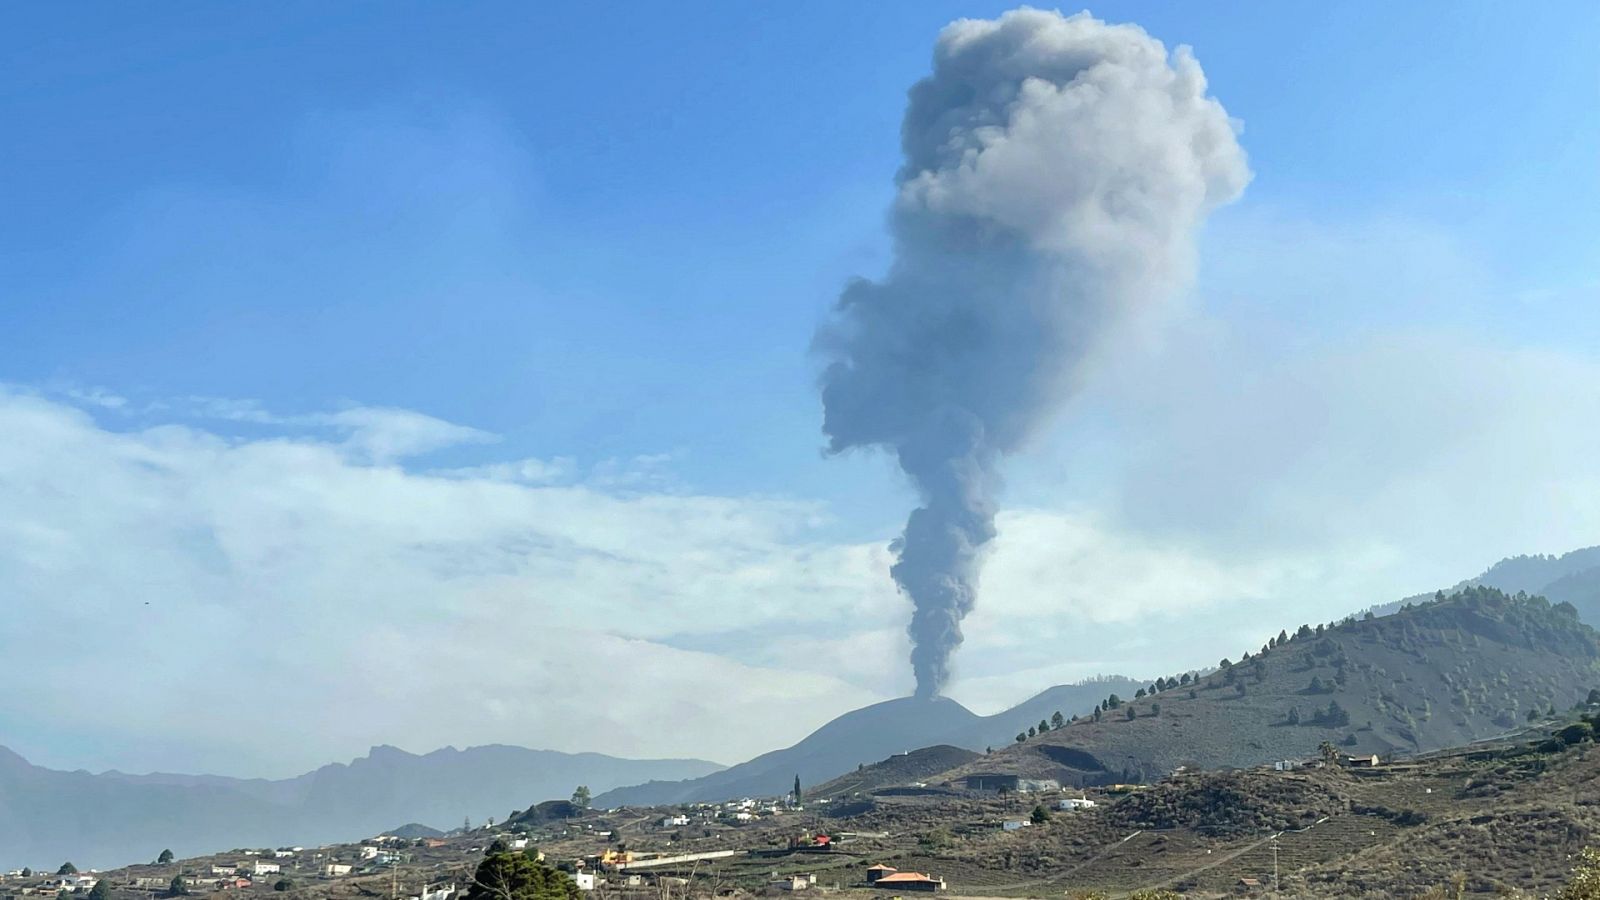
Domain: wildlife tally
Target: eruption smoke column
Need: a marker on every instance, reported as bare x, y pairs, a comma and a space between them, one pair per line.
1056, 171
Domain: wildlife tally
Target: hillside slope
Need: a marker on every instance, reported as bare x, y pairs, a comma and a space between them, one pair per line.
867, 734
1441, 674
112, 818
897, 771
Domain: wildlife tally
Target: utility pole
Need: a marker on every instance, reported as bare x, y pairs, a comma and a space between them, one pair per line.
1275, 863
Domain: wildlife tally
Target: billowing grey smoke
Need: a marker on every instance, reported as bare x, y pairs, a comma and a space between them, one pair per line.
1056, 170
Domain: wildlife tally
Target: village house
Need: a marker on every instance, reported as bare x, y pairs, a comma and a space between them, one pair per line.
439, 892
1014, 824
678, 821
73, 884
336, 870
262, 867
909, 881
795, 882
586, 880
1075, 803
221, 871
1015, 784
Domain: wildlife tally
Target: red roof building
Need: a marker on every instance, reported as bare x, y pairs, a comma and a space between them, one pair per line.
909, 881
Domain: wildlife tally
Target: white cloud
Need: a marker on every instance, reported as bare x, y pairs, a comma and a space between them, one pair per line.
157, 575
385, 435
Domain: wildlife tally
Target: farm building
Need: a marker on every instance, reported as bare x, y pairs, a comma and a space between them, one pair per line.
1011, 783
910, 881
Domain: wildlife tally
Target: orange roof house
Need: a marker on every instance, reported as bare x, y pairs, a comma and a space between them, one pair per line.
910, 881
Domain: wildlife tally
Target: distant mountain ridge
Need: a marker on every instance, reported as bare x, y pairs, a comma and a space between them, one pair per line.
1572, 577
868, 735
113, 818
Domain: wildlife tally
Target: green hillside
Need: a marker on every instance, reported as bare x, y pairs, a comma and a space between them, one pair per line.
1442, 673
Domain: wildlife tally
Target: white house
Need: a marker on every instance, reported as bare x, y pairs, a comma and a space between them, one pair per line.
262, 867
334, 870
75, 883
674, 821
282, 854
585, 880
743, 816
219, 871
438, 892
519, 843
1075, 803
1013, 824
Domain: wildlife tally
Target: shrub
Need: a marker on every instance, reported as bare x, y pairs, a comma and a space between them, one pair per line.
1576, 733
1584, 882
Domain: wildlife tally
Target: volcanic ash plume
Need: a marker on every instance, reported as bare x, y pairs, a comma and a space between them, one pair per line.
1056, 170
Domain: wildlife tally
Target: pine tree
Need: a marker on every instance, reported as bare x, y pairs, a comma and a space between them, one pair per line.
505, 876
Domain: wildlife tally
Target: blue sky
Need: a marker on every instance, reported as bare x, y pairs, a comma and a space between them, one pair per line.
602, 237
